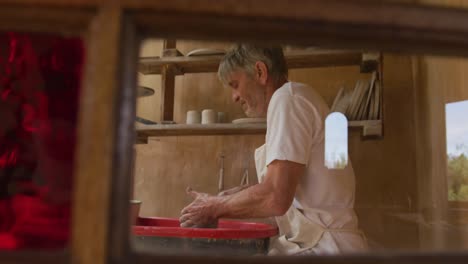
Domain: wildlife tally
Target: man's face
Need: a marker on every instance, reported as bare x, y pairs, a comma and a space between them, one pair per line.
248, 92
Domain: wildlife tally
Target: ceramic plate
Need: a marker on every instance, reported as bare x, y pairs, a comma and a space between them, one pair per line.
249, 121
206, 52
144, 91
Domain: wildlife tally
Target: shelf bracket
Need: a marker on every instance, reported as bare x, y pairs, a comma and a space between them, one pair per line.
370, 62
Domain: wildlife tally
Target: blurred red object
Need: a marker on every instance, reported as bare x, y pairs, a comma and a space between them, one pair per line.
40, 80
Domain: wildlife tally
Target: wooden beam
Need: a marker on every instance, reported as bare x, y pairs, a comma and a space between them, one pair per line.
372, 25
168, 81
53, 3
140, 4
295, 60
357, 12
369, 24
45, 20
36, 257
123, 166
155, 65
322, 58
373, 257
167, 93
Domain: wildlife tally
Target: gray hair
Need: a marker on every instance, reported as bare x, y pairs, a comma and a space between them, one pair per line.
244, 56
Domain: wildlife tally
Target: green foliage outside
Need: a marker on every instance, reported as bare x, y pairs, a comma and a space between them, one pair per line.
457, 173
341, 162
337, 161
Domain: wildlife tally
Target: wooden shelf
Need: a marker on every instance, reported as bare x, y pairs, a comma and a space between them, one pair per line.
370, 128
145, 131
295, 60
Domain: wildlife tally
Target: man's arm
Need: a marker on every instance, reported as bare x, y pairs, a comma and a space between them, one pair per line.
272, 197
234, 190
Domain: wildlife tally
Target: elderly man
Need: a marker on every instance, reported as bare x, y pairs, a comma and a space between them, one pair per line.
312, 204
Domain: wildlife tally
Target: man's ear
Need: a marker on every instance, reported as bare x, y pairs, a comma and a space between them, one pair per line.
261, 72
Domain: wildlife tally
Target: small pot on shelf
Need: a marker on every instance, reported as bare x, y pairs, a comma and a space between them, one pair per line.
134, 211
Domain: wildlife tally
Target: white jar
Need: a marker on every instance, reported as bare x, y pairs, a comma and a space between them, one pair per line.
209, 116
193, 117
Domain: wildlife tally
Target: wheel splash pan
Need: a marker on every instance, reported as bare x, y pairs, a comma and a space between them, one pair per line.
165, 236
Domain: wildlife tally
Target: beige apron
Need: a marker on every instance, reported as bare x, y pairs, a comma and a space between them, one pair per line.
297, 233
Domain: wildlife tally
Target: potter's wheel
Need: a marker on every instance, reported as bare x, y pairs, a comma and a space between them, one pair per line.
236, 238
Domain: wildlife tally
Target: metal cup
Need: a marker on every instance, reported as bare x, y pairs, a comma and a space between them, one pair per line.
221, 117
134, 211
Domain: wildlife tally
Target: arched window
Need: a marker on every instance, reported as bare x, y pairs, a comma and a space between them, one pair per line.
336, 141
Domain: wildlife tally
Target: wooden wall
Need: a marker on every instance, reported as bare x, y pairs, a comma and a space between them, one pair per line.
192, 91
448, 75
385, 169
438, 81
167, 165
447, 3
203, 90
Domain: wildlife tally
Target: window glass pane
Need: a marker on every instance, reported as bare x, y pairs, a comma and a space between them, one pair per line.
457, 150
40, 80
378, 116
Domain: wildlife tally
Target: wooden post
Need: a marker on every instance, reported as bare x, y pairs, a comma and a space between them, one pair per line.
168, 83
167, 93
96, 137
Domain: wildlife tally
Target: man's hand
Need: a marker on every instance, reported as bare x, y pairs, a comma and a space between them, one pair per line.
272, 197
201, 212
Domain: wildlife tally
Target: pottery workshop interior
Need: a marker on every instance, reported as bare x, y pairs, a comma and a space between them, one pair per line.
209, 131
405, 197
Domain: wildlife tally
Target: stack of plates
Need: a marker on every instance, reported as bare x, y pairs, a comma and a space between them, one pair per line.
362, 103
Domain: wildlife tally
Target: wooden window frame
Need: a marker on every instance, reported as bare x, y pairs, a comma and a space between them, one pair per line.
106, 134
173, 21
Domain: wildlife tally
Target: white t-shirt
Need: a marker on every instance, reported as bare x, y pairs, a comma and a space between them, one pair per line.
295, 132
